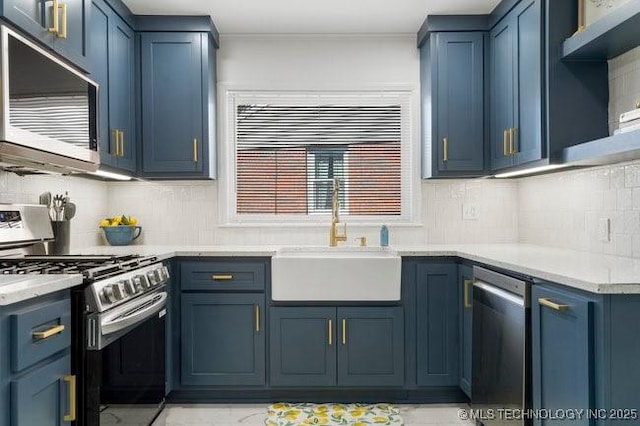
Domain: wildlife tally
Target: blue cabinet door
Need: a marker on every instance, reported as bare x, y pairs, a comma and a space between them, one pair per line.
74, 19
465, 282
41, 397
527, 58
562, 350
122, 90
173, 68
99, 41
459, 102
370, 346
502, 102
32, 16
302, 346
223, 339
437, 324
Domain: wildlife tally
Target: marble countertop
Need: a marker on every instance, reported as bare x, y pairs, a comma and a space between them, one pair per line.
595, 273
16, 288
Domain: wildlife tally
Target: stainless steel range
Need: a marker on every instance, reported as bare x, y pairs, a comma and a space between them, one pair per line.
118, 319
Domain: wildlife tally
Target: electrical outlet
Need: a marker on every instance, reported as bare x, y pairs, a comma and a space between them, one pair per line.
604, 230
470, 211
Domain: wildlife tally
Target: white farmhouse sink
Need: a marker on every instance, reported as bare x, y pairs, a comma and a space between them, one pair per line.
335, 274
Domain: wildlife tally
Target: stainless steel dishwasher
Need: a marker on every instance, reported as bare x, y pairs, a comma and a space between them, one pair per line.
501, 367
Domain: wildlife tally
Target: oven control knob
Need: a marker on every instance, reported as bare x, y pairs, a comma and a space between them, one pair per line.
144, 282
137, 283
151, 276
118, 293
130, 288
159, 276
108, 295
165, 273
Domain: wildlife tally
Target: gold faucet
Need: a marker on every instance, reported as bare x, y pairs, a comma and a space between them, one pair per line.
334, 236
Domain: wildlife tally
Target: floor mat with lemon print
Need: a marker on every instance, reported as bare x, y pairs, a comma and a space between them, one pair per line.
285, 414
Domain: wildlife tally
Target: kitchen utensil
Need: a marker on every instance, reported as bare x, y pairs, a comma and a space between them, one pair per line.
69, 211
58, 201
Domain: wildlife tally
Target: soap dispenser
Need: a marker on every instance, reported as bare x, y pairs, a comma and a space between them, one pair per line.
384, 236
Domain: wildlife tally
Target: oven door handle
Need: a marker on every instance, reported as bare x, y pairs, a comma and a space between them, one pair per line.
118, 323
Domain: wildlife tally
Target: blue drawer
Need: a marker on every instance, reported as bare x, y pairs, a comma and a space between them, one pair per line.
38, 332
226, 274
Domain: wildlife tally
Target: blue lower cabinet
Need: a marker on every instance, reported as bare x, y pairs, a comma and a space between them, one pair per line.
302, 346
223, 339
563, 352
370, 346
41, 397
465, 308
437, 324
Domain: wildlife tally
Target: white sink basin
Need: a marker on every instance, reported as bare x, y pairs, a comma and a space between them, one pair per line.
336, 274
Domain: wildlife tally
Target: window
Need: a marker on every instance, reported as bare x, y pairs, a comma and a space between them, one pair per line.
289, 149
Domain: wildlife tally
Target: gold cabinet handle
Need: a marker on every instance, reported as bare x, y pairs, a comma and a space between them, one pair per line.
121, 143
41, 335
257, 317
195, 150
467, 296
115, 148
505, 143
63, 30
55, 28
71, 417
227, 277
344, 331
549, 304
445, 155
330, 327
514, 142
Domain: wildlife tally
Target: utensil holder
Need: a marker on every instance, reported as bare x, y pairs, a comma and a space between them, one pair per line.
61, 234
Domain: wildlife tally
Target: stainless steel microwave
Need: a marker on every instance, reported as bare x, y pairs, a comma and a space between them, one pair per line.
48, 110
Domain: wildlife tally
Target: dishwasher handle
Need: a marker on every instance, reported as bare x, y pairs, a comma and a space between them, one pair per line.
502, 294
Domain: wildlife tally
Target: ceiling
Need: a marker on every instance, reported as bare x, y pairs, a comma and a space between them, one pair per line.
313, 16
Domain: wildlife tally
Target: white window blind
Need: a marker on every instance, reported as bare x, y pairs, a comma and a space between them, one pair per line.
288, 152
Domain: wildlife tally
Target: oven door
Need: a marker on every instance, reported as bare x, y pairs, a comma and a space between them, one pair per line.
125, 377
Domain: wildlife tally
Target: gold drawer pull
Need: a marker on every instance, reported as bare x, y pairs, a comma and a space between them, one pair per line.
330, 332
344, 331
549, 304
257, 317
195, 150
56, 22
445, 156
63, 31
505, 142
41, 335
71, 417
227, 277
467, 298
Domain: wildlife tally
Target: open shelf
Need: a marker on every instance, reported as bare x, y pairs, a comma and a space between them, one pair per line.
608, 37
609, 150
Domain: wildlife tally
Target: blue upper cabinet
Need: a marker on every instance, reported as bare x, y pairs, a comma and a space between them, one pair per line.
452, 79
178, 91
112, 65
516, 87
63, 30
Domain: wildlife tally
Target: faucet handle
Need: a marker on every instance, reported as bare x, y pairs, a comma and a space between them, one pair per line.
363, 241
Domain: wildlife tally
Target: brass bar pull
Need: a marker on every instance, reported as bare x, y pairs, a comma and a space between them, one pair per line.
330, 332
257, 317
549, 304
121, 143
514, 141
195, 150
445, 155
55, 28
228, 277
41, 335
71, 417
63, 30
505, 142
115, 147
467, 296
344, 331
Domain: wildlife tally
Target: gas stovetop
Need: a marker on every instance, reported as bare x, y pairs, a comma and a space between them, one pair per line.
91, 267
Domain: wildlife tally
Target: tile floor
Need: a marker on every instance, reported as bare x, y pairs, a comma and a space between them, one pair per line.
254, 415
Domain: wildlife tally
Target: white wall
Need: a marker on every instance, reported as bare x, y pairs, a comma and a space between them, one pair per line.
193, 212
90, 196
